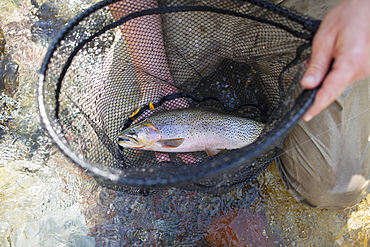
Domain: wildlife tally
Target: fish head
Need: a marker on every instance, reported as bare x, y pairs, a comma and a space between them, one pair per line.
141, 135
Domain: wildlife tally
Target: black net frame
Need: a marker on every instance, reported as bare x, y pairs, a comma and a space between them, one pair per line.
212, 174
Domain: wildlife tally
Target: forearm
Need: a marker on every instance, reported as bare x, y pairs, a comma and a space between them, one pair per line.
143, 36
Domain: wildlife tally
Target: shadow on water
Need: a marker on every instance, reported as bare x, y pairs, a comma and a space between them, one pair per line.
47, 201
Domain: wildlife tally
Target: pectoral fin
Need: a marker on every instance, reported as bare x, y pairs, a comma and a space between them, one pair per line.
211, 152
171, 143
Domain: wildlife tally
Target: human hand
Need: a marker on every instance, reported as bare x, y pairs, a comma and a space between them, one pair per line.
344, 38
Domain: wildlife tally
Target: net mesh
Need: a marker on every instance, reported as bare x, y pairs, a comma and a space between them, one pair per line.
243, 58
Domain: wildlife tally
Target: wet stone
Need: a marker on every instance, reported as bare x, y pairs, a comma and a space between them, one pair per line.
2, 43
7, 108
232, 91
8, 70
49, 24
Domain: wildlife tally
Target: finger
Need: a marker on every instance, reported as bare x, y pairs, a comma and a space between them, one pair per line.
334, 84
322, 55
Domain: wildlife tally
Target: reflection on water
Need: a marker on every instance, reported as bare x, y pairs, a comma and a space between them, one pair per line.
46, 201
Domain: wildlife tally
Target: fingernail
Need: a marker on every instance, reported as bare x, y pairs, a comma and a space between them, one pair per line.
309, 81
307, 118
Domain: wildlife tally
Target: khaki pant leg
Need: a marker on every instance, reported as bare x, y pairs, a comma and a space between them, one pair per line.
327, 161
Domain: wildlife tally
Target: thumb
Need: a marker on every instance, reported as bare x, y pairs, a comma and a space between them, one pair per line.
319, 63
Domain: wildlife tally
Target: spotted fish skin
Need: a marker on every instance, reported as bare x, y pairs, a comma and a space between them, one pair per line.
190, 130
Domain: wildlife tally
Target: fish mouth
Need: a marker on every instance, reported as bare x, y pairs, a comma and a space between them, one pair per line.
128, 136
129, 143
127, 139
123, 139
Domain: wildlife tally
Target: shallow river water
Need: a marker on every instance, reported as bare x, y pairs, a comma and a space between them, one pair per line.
46, 201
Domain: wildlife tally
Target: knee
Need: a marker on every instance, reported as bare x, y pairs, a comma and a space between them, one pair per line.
329, 188
341, 196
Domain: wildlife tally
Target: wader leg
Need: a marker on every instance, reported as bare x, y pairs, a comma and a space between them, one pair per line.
327, 161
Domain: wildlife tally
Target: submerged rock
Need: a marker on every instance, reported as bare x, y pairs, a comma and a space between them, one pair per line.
8, 70
240, 228
7, 108
49, 24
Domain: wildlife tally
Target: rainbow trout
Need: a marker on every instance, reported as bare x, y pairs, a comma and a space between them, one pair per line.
190, 130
